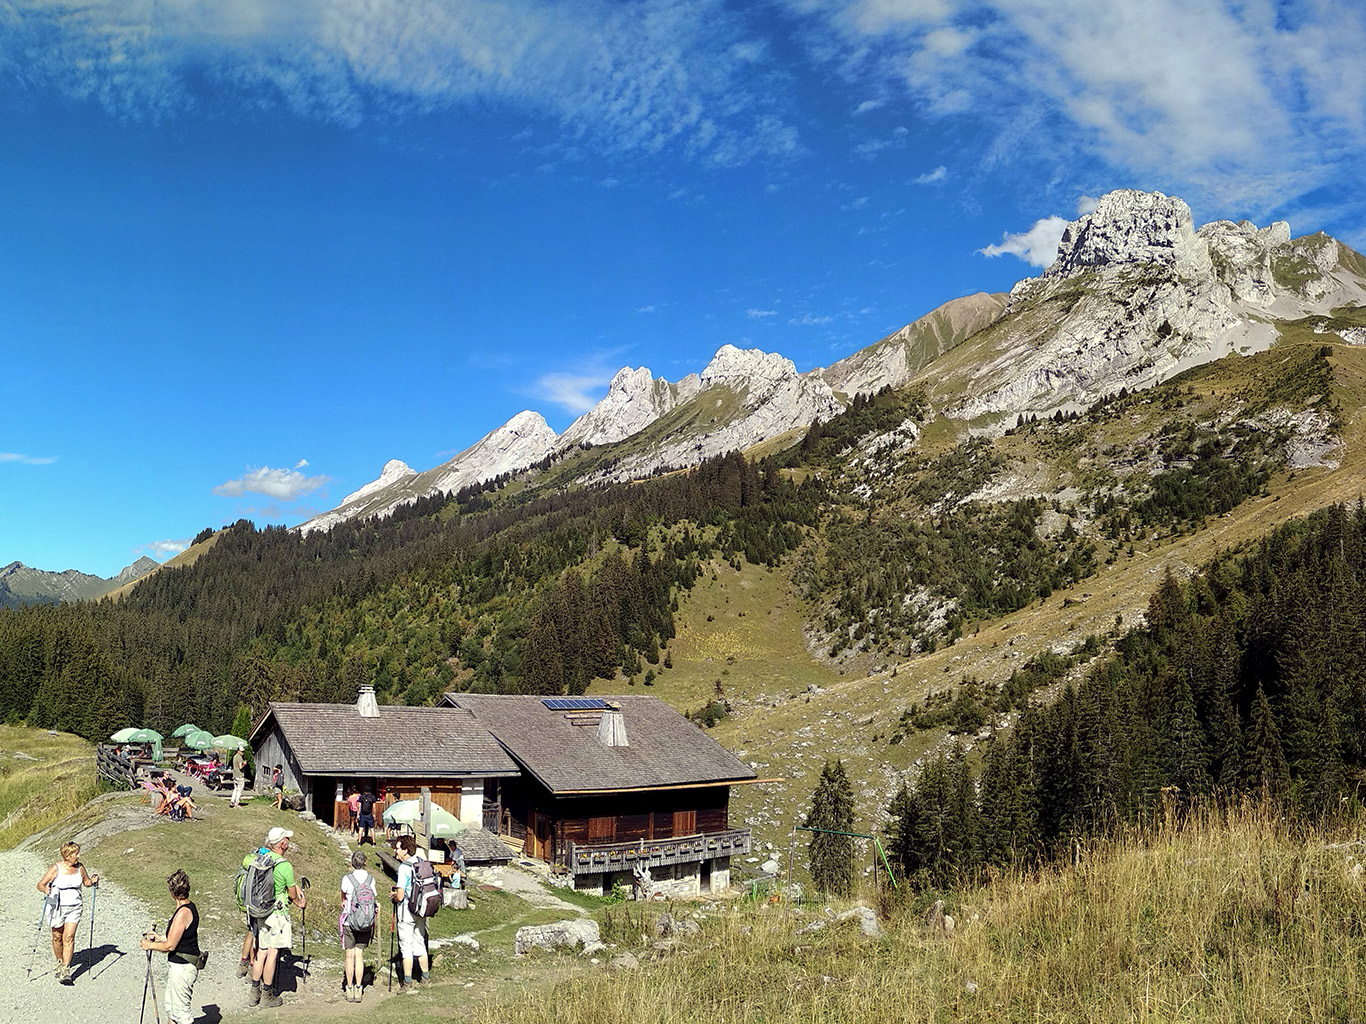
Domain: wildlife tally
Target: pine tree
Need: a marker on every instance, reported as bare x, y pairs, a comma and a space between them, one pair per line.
832, 808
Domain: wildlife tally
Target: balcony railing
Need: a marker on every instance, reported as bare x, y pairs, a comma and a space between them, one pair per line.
596, 858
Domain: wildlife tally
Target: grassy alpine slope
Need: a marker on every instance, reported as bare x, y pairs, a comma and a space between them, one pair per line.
1230, 917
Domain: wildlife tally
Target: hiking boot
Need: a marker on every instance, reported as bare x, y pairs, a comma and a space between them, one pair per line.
272, 999
359, 989
243, 968
64, 974
254, 996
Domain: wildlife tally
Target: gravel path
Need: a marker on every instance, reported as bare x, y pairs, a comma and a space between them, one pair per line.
109, 976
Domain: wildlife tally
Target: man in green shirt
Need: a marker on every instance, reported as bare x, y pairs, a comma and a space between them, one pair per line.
274, 932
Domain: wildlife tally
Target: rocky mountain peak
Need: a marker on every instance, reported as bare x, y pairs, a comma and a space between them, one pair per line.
136, 571
394, 470
748, 366
1128, 226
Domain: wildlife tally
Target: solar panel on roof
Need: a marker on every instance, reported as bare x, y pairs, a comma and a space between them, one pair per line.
574, 703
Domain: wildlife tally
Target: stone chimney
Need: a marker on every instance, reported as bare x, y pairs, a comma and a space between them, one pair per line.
612, 728
366, 705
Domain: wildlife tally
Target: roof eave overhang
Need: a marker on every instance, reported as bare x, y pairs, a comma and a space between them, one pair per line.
656, 789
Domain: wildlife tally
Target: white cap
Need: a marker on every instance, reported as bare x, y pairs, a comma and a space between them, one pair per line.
276, 834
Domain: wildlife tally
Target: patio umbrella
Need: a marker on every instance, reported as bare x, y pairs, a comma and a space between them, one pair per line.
147, 736
185, 730
122, 735
230, 743
405, 812
200, 739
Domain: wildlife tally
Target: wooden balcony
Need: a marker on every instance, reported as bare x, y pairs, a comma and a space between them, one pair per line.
597, 858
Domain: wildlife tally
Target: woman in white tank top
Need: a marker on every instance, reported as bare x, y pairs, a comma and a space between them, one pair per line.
61, 884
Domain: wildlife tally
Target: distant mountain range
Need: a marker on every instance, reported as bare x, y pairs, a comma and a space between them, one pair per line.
1135, 295
21, 585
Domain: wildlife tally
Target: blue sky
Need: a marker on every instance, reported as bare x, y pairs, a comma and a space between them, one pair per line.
249, 251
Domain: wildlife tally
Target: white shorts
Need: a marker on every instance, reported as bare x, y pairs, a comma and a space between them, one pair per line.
277, 932
59, 917
412, 937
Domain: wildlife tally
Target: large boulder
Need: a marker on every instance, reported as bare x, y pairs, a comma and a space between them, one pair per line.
580, 932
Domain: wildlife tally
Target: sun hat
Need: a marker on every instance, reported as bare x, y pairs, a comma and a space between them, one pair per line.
276, 834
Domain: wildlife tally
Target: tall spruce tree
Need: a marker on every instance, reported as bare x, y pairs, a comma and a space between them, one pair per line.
832, 808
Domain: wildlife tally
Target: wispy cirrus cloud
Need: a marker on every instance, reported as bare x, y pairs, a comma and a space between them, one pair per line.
932, 177
281, 484
1242, 104
576, 392
28, 460
634, 77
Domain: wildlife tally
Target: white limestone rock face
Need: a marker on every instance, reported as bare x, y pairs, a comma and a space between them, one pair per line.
1137, 295
521, 442
394, 470
896, 359
634, 400
745, 396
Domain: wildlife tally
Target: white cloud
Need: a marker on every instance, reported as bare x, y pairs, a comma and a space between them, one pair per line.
639, 76
930, 177
810, 320
282, 484
1087, 204
757, 314
163, 549
1038, 246
646, 309
1241, 104
28, 460
572, 391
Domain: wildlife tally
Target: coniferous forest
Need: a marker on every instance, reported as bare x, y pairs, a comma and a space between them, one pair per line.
1248, 679
538, 595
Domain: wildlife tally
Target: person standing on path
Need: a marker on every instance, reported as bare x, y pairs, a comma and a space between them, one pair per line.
366, 821
61, 884
277, 783
353, 811
412, 930
355, 941
275, 931
181, 946
239, 777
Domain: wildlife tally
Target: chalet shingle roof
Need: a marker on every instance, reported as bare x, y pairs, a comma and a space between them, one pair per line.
664, 748
334, 739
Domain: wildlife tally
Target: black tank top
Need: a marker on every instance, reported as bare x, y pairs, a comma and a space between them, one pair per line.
188, 946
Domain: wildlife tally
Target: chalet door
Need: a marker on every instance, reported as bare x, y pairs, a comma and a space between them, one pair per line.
602, 830
685, 823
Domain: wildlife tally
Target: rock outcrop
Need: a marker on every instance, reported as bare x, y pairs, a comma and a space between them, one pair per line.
634, 400
522, 441
1135, 295
745, 397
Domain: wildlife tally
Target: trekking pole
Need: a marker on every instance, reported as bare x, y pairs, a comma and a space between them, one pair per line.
90, 946
33, 954
148, 983
393, 927
303, 884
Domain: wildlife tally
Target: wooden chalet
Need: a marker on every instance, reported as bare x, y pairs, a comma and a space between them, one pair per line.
394, 751
609, 784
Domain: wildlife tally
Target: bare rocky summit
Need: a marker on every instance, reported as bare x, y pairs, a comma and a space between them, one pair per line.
1136, 294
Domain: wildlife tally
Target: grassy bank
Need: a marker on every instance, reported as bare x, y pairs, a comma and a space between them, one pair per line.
1231, 918
45, 779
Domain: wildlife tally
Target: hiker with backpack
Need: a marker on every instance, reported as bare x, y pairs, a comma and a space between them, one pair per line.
416, 896
267, 888
184, 958
366, 822
357, 924
61, 886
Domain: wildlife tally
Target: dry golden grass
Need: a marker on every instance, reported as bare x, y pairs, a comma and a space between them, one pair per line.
1228, 918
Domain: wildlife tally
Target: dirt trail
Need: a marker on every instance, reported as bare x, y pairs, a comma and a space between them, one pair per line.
109, 976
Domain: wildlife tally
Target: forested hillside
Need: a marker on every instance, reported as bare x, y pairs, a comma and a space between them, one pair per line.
902, 532
1249, 679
